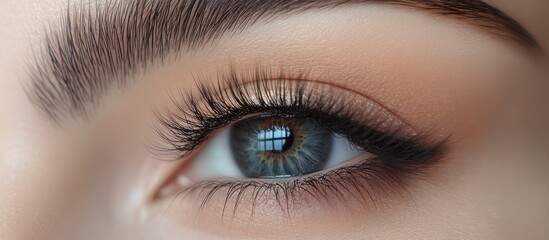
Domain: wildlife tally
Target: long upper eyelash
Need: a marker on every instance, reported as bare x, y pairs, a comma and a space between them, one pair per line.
193, 122
217, 105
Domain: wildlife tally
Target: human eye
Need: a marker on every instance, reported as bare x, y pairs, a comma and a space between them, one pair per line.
263, 141
269, 147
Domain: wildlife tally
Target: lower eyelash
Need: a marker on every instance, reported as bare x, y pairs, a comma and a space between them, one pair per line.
367, 182
401, 153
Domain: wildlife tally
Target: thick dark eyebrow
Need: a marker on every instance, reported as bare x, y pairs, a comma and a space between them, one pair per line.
95, 49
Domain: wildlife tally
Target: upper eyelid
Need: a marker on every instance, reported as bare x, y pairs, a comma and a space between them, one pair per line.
75, 66
180, 124
429, 153
235, 76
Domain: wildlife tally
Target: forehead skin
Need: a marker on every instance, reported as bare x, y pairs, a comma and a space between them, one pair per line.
22, 22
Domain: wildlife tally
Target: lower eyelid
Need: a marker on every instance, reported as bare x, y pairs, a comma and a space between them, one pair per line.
356, 187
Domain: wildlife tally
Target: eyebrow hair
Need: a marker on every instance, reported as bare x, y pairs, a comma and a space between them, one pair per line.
94, 49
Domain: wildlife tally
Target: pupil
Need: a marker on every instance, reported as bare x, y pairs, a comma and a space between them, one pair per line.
276, 139
270, 147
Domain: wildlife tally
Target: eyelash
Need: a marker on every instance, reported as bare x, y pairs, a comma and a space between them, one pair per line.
196, 118
368, 182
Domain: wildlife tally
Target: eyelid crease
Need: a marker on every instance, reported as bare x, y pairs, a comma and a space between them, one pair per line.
237, 94
401, 152
97, 47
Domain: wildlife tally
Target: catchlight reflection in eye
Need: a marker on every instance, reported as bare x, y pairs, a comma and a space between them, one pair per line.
280, 146
276, 139
271, 147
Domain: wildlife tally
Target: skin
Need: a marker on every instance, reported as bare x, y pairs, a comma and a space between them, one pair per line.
90, 181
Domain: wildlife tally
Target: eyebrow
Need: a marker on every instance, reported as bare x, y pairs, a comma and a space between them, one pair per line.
97, 48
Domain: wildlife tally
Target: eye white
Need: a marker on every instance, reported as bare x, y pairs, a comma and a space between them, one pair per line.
216, 160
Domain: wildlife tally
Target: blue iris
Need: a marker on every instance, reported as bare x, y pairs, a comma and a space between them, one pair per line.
280, 146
